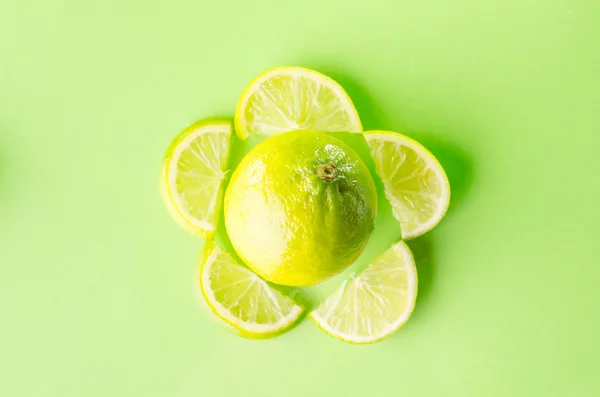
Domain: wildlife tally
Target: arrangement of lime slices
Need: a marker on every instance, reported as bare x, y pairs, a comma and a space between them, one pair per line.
415, 182
373, 304
293, 98
367, 307
242, 299
192, 175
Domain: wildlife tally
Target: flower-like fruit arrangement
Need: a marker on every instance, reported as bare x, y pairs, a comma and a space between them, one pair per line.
296, 204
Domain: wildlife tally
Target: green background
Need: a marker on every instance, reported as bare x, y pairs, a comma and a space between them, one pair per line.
96, 289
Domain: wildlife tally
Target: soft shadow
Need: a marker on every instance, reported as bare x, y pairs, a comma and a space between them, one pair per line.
371, 115
422, 249
4, 190
456, 162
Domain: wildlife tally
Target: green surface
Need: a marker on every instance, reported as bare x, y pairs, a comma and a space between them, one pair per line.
96, 294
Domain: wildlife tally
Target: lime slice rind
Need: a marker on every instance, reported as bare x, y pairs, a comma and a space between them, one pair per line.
294, 98
192, 175
374, 304
242, 299
415, 183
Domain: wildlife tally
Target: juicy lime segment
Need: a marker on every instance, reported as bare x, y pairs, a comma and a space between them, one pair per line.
242, 299
293, 98
192, 175
375, 303
415, 182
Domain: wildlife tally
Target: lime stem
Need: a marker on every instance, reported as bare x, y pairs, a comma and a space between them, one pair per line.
327, 172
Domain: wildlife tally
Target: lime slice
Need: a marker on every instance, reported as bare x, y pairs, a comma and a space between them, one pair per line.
375, 303
293, 98
242, 299
415, 182
192, 175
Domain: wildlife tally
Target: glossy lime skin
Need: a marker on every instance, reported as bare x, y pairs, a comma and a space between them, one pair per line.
292, 226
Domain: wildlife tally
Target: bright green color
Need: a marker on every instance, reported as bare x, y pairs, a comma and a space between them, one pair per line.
414, 182
193, 170
300, 208
96, 291
373, 304
242, 299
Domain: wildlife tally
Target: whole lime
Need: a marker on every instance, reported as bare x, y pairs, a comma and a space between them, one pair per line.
300, 208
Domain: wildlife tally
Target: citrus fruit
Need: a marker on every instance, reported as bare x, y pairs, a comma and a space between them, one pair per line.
414, 181
192, 174
293, 98
242, 299
300, 207
375, 303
